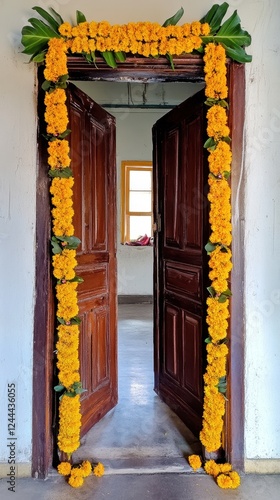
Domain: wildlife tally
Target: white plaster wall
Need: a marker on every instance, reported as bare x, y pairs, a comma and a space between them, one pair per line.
262, 189
17, 226
262, 231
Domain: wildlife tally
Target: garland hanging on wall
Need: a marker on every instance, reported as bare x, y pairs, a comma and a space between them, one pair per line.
49, 42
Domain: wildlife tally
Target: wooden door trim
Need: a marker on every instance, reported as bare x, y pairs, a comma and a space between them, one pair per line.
189, 69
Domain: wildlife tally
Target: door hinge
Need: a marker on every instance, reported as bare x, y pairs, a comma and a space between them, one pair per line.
157, 224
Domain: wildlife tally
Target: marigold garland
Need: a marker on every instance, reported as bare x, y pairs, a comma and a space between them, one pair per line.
147, 39
220, 255
143, 38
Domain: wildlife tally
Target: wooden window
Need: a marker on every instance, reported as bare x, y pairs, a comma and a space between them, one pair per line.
137, 202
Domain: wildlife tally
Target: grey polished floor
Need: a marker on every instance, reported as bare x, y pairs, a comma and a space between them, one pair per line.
141, 433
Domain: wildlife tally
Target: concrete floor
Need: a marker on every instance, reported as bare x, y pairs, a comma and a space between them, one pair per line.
141, 442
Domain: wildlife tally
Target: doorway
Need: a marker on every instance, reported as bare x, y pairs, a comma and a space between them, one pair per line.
42, 446
135, 271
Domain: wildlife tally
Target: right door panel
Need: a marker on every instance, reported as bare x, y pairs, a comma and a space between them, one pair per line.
180, 272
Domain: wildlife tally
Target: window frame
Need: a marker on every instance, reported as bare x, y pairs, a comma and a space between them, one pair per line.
126, 167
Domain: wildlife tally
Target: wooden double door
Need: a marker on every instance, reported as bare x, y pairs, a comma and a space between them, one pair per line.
180, 213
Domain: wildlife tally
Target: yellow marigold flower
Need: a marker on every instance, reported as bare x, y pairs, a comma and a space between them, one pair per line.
56, 115
226, 467
56, 59
195, 461
64, 264
65, 29
196, 28
211, 468
99, 470
61, 188
205, 29
58, 154
77, 472
66, 294
103, 28
92, 28
217, 122
76, 481
234, 476
69, 424
224, 481
86, 468
215, 71
220, 159
186, 29
64, 468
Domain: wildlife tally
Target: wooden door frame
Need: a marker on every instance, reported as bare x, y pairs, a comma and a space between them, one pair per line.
136, 69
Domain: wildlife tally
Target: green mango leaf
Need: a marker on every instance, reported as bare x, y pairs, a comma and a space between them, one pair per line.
88, 57
215, 16
238, 54
77, 279
36, 40
70, 394
222, 299
64, 173
171, 21
76, 320
233, 38
58, 16
80, 390
208, 340
226, 175
211, 291
56, 248
120, 56
72, 241
38, 58
42, 28
222, 385
59, 388
51, 20
209, 247
64, 134
226, 139
209, 143
232, 27
169, 57
46, 85
109, 58
225, 296
80, 17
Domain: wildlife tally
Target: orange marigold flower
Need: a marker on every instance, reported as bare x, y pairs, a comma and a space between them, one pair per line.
217, 123
64, 264
69, 424
195, 461
75, 481
99, 470
65, 29
64, 468
86, 468
56, 60
211, 468
220, 159
58, 154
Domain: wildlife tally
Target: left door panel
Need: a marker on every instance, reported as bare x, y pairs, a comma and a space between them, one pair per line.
92, 151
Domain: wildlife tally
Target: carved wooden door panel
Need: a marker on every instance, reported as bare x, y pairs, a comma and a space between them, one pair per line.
92, 149
180, 177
